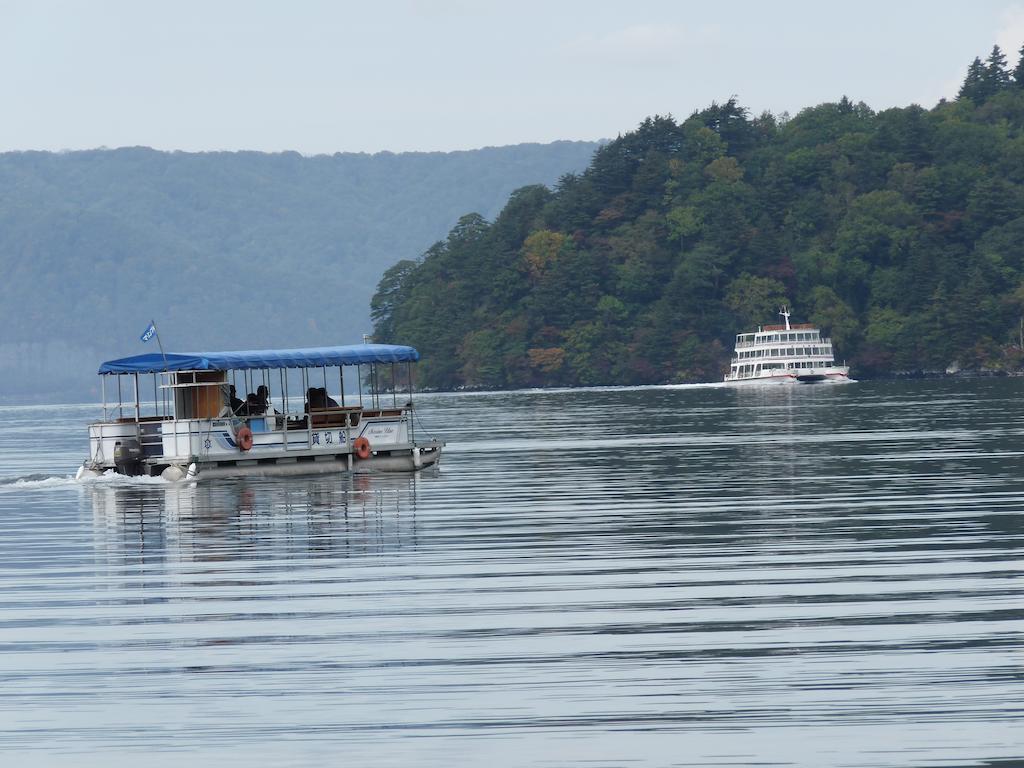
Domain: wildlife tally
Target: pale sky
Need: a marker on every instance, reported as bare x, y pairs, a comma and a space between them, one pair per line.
400, 75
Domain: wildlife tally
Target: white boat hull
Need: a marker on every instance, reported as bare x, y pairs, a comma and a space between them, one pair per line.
197, 449
397, 460
806, 377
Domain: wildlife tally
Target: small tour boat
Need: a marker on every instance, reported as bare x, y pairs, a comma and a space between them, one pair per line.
197, 427
785, 354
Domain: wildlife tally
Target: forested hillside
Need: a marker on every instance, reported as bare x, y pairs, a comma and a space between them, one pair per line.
900, 232
224, 250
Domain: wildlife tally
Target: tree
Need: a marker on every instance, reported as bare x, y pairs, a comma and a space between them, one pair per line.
1018, 71
548, 362
996, 76
755, 300
730, 121
469, 228
540, 250
974, 84
905, 132
991, 203
480, 354
388, 297
835, 318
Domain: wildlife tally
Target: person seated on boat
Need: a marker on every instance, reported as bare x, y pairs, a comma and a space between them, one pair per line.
327, 400
263, 399
252, 405
312, 399
317, 398
236, 402
227, 393
249, 407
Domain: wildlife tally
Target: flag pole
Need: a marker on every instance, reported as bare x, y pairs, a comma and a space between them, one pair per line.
148, 334
162, 353
159, 343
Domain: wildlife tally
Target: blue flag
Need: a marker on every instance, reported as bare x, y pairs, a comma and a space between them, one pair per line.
149, 333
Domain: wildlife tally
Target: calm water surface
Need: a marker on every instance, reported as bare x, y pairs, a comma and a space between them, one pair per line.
811, 576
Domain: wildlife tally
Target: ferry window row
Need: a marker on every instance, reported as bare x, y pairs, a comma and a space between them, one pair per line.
788, 352
799, 336
753, 368
763, 367
774, 338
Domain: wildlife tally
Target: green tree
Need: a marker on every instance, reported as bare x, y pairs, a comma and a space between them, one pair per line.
835, 317
996, 76
755, 300
684, 222
388, 297
993, 202
481, 356
974, 86
1018, 72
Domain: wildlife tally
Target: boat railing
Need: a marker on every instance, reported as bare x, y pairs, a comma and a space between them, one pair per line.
792, 327
316, 419
384, 413
109, 418
779, 343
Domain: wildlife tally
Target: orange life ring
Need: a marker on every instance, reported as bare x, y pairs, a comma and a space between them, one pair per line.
244, 438
362, 447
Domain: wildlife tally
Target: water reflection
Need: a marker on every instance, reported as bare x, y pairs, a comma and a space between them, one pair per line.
317, 516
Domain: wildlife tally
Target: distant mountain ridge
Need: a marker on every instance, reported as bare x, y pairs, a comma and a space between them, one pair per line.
223, 249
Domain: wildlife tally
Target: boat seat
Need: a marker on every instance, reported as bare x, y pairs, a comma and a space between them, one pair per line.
342, 416
383, 412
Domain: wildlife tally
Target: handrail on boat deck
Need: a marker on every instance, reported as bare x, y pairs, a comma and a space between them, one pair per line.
777, 342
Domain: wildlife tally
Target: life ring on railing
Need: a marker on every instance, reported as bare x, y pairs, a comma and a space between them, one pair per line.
244, 438
361, 446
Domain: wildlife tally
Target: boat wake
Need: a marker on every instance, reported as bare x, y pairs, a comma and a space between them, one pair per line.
39, 481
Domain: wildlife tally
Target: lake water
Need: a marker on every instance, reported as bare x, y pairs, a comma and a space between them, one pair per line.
810, 576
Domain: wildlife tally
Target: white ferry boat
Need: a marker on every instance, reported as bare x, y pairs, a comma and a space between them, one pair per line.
785, 354
197, 427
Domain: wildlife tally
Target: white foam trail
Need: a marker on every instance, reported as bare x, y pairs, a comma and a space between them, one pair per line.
33, 482
107, 479
110, 477
566, 390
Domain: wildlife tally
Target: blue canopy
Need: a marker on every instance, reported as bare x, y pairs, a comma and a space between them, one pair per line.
314, 357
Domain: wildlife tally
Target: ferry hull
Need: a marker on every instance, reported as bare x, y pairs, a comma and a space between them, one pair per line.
763, 381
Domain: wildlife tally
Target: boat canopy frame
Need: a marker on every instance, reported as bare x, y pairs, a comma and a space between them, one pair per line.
311, 357
251, 362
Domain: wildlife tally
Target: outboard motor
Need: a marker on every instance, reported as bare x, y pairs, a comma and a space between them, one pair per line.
128, 457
